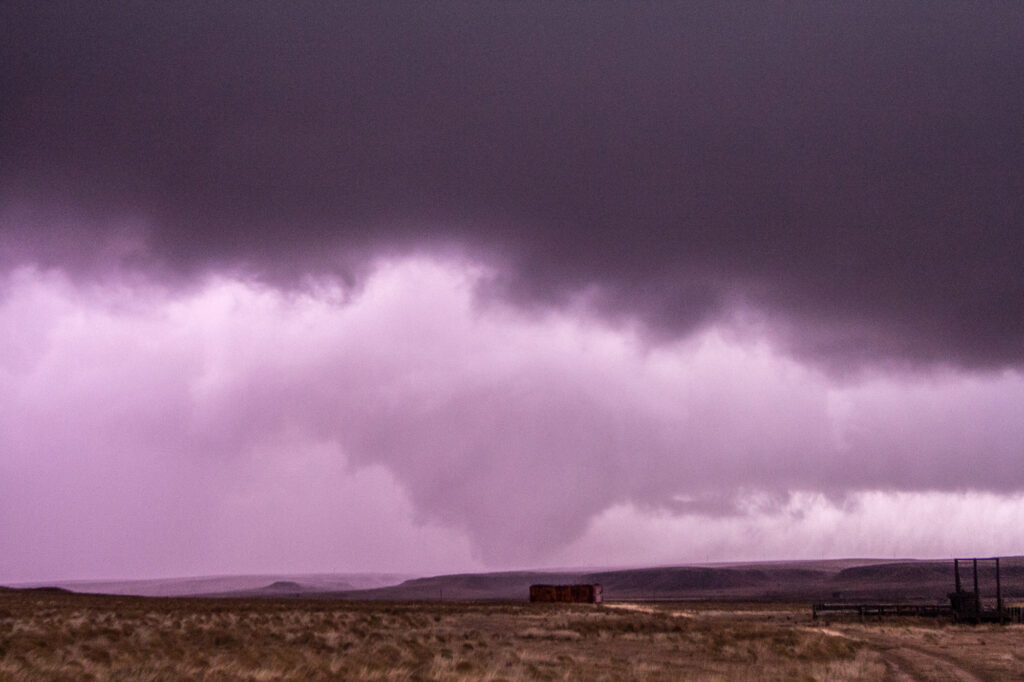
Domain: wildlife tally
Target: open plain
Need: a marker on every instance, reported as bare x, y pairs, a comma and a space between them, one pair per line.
52, 634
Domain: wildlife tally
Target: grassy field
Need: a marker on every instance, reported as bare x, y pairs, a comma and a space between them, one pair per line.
52, 635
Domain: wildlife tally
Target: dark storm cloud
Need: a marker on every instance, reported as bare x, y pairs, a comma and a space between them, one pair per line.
855, 170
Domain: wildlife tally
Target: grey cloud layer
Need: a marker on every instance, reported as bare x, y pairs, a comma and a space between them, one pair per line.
852, 170
231, 414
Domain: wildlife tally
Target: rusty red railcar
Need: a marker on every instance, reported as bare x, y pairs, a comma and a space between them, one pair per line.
577, 594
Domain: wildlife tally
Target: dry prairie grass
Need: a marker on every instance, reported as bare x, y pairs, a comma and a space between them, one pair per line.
63, 637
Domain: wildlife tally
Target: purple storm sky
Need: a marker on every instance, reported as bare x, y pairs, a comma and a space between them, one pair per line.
425, 287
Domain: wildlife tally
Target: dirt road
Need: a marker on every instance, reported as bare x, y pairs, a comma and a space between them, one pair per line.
914, 651
949, 653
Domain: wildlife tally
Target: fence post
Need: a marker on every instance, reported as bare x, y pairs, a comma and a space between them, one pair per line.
977, 594
999, 592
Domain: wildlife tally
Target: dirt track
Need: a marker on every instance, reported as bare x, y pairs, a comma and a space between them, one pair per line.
907, 662
957, 653
920, 650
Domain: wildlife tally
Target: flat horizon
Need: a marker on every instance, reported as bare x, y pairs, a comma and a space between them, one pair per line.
272, 575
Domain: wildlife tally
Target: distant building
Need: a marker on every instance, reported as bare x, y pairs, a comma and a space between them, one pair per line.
579, 594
